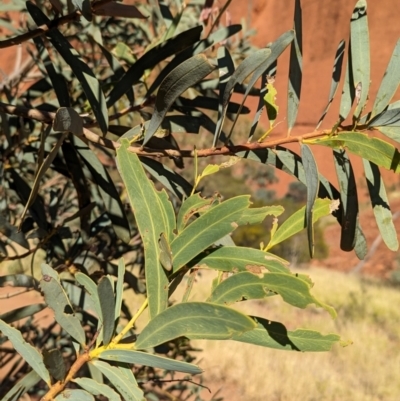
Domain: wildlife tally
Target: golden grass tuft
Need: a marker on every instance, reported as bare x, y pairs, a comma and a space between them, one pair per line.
366, 370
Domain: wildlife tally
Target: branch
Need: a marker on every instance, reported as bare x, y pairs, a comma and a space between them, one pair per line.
41, 30
88, 135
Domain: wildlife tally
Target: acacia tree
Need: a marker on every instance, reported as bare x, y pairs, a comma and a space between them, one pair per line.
118, 84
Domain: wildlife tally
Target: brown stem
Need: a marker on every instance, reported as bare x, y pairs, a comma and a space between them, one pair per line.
41, 30
48, 117
56, 388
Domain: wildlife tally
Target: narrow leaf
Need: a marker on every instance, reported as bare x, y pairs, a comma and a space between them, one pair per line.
119, 289
194, 320
28, 382
129, 391
95, 388
296, 222
277, 49
348, 91
349, 199
143, 358
30, 354
245, 68
91, 290
107, 304
107, 189
175, 83
90, 84
295, 67
235, 259
360, 56
246, 285
189, 208
336, 73
211, 226
21, 313
149, 213
389, 84
57, 300
275, 335
152, 58
389, 117
312, 180
380, 204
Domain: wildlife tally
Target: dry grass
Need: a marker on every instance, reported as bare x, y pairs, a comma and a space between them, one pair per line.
367, 370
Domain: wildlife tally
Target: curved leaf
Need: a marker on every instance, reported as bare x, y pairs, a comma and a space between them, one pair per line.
149, 207
146, 359
22, 312
189, 208
295, 67
246, 285
129, 391
218, 36
389, 117
275, 335
245, 68
30, 354
380, 204
22, 386
389, 84
375, 150
119, 288
312, 182
337, 72
152, 58
237, 258
296, 222
194, 320
57, 300
277, 49
91, 289
175, 83
211, 226
96, 388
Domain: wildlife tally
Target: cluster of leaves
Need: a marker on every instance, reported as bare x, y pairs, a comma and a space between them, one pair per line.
163, 75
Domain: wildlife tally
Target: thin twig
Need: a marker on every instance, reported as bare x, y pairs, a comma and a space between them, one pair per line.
48, 117
42, 29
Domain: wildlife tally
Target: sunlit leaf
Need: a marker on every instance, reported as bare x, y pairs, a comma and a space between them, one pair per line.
312, 181
194, 320
360, 57
211, 226
129, 391
149, 207
275, 335
96, 388
74, 395
143, 358
237, 258
295, 67
296, 222
246, 285
380, 204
